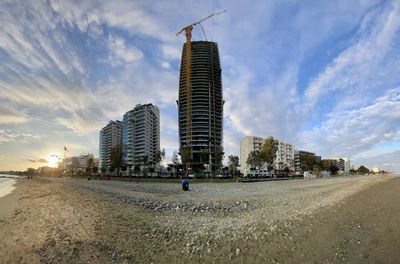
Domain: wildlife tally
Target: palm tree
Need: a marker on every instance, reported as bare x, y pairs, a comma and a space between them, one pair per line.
233, 164
116, 157
145, 160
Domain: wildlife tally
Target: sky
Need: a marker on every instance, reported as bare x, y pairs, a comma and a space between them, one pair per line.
321, 75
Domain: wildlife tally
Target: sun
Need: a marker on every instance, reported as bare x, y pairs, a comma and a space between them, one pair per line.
52, 161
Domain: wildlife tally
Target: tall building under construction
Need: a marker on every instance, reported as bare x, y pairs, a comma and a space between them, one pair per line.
200, 104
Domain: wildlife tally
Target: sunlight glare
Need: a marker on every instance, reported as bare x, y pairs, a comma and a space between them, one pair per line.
52, 161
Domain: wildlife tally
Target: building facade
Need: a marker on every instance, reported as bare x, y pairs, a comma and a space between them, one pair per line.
347, 165
141, 134
339, 163
284, 155
299, 163
110, 136
247, 145
200, 103
82, 163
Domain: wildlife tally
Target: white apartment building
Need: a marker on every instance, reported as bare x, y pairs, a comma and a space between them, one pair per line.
347, 165
247, 145
80, 163
110, 136
284, 154
343, 164
141, 134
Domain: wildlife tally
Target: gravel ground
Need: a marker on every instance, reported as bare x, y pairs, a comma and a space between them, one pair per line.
81, 221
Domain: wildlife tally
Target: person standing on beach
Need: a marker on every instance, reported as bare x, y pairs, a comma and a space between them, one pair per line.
185, 183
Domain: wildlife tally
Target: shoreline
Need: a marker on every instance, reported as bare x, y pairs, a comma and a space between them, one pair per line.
7, 186
80, 221
8, 201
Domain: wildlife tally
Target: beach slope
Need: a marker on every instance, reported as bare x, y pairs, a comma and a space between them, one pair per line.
353, 219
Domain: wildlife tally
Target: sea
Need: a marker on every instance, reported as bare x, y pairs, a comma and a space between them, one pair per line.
7, 183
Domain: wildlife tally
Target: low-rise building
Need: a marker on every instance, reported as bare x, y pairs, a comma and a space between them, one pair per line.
82, 163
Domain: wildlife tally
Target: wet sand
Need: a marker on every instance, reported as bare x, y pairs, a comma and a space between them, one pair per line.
354, 220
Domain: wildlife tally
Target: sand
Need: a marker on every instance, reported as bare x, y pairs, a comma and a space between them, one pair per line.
351, 219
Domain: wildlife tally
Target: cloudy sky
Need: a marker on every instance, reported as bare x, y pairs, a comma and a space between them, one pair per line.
322, 75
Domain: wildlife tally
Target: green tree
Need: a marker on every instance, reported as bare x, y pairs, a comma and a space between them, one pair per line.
175, 160
160, 156
218, 157
136, 169
145, 162
90, 164
163, 154
116, 157
362, 170
255, 159
186, 156
204, 156
308, 161
233, 163
326, 164
268, 151
334, 169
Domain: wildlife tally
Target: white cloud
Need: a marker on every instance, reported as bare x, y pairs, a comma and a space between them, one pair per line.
48, 74
81, 123
7, 135
165, 65
356, 67
350, 132
122, 53
9, 115
172, 52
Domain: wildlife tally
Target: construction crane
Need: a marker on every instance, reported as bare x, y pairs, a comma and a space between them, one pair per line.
65, 151
188, 33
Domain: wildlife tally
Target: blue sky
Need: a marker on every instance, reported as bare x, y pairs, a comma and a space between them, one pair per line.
322, 75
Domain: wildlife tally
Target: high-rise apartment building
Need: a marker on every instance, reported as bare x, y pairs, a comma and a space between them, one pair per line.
110, 136
141, 134
200, 102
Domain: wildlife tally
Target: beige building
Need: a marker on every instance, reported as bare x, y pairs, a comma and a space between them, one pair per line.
79, 163
284, 155
247, 145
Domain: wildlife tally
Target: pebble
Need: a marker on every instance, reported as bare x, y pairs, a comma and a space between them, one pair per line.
162, 206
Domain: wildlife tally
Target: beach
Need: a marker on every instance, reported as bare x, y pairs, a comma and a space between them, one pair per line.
6, 186
334, 220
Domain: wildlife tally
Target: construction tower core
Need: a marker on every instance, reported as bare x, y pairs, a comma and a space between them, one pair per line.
200, 104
